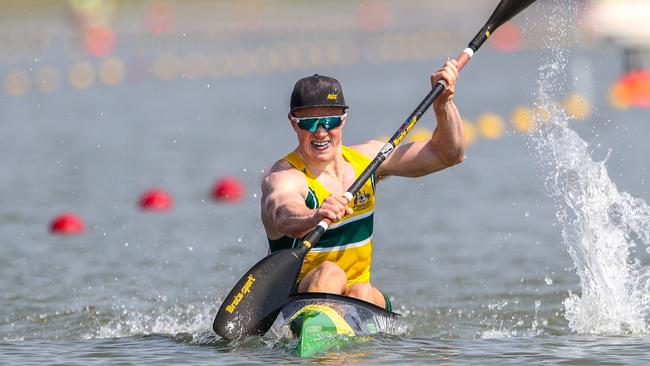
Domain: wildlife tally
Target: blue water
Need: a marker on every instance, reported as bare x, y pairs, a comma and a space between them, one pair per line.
478, 258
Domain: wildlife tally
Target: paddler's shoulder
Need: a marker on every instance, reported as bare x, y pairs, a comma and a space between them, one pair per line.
369, 149
284, 168
279, 166
283, 173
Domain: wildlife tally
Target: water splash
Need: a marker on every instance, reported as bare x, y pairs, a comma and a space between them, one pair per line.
601, 226
193, 319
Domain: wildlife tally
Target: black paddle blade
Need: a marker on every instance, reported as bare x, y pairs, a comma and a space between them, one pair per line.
253, 304
503, 12
506, 10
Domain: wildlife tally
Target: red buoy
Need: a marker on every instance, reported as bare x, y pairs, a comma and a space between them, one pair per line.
66, 223
228, 189
99, 41
155, 200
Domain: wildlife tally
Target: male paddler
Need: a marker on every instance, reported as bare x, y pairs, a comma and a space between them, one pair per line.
308, 184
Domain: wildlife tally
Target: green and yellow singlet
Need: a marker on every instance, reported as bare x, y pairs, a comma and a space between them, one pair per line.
348, 243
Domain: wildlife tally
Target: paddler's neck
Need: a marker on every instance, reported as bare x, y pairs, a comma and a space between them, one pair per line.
334, 168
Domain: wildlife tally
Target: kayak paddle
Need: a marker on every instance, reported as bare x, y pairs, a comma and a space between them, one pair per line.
255, 301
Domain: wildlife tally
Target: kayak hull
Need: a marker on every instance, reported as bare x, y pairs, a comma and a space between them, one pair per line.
323, 322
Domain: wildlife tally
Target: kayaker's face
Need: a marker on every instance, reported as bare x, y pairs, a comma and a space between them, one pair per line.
320, 145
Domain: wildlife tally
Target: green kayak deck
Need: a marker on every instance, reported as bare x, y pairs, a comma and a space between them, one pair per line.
322, 322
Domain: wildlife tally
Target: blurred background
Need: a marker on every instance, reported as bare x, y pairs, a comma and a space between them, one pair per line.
95, 50
134, 93
146, 126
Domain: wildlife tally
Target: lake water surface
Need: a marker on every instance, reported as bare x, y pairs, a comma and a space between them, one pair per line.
528, 252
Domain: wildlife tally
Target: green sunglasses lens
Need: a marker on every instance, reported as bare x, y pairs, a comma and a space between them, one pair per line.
311, 124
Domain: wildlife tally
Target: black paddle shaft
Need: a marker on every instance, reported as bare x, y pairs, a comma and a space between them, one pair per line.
386, 150
503, 12
252, 304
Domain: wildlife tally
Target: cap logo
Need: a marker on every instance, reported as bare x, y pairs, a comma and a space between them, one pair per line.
332, 96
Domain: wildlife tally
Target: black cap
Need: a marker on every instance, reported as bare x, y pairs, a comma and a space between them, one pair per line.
317, 91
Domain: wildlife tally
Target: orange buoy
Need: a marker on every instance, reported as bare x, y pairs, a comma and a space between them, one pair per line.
155, 200
633, 88
228, 189
67, 223
490, 125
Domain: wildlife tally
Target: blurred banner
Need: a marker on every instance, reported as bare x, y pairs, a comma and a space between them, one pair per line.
44, 45
77, 44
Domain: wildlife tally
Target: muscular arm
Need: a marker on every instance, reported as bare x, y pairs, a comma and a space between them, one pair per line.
444, 149
283, 204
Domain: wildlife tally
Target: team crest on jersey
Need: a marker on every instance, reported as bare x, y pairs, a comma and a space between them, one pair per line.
361, 200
